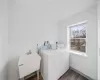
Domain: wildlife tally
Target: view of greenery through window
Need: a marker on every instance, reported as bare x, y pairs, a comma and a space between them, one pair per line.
78, 37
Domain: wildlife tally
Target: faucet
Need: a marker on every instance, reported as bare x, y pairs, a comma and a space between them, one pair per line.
56, 45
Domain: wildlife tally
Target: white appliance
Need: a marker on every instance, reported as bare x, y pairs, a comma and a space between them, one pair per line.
54, 63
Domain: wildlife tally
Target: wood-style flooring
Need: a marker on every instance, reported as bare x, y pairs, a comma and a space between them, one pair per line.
69, 75
72, 75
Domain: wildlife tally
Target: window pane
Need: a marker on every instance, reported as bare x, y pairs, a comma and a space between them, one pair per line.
78, 31
78, 44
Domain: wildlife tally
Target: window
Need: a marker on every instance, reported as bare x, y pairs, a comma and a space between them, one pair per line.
77, 37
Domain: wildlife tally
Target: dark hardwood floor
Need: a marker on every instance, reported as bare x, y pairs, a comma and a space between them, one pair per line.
72, 75
69, 75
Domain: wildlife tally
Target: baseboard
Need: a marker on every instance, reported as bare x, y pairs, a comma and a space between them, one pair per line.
81, 73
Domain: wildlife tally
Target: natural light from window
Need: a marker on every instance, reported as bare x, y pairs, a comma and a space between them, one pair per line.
77, 37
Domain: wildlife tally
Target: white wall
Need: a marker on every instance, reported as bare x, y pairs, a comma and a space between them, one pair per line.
3, 39
33, 21
99, 39
28, 26
86, 65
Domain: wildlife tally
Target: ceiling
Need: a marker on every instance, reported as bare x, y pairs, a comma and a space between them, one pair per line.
54, 10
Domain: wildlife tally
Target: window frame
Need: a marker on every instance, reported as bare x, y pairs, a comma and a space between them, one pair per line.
69, 38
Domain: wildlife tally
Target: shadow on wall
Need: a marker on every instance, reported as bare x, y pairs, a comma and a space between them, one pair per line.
13, 73
3, 73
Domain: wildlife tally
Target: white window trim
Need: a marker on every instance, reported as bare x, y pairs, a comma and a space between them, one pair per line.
68, 40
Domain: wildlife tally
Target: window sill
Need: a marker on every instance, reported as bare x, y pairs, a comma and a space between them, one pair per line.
79, 53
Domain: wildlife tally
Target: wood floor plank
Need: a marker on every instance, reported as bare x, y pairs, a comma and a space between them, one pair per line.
65, 75
81, 78
69, 75
72, 75
35, 78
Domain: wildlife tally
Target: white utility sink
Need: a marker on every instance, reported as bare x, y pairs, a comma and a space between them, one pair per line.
28, 64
